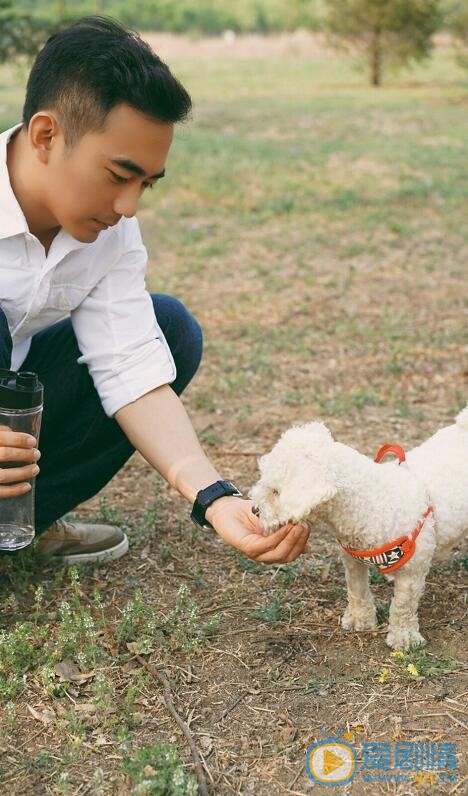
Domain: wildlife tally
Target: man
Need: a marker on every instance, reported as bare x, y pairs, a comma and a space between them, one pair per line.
97, 126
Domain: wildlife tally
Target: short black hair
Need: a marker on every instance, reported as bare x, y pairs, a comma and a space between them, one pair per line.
88, 68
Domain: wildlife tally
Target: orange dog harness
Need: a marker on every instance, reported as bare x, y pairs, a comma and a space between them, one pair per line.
394, 554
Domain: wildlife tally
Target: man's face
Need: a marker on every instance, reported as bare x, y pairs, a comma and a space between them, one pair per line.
102, 178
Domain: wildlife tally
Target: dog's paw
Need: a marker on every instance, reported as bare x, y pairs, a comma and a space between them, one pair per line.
403, 638
364, 619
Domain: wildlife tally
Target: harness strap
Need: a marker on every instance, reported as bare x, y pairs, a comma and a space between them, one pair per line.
396, 449
394, 554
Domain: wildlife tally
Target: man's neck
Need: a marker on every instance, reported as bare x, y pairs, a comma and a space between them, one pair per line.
23, 180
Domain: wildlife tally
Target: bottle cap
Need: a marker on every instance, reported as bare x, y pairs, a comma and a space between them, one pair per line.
21, 390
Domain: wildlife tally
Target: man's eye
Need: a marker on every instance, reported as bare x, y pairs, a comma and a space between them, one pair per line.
118, 178
149, 185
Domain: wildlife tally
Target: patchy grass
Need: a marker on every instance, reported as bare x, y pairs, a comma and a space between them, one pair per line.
318, 230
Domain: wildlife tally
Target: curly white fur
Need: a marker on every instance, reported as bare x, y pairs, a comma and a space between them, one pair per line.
308, 477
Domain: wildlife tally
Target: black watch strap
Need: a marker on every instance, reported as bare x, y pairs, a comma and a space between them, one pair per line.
207, 496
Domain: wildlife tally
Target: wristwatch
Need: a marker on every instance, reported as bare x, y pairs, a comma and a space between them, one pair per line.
207, 496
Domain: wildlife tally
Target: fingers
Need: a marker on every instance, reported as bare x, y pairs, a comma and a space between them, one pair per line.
263, 545
10, 475
297, 550
290, 545
14, 491
283, 546
11, 478
15, 439
16, 447
8, 454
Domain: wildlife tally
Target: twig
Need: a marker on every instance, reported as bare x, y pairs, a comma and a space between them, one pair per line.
293, 781
170, 706
232, 706
239, 453
227, 652
458, 785
442, 715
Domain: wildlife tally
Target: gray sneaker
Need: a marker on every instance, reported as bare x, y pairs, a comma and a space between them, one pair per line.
76, 543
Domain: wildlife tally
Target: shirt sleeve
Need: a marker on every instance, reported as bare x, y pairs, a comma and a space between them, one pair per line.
116, 329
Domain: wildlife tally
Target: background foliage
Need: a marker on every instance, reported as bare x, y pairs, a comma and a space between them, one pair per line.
386, 33
198, 16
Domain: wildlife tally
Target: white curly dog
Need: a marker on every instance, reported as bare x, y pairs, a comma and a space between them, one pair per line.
393, 515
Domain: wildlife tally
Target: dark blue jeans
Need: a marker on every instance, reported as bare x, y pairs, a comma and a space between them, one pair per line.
82, 448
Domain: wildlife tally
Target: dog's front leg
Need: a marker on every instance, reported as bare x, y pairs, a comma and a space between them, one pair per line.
360, 613
403, 624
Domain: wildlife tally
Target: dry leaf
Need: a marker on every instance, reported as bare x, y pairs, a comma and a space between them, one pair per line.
101, 741
287, 735
149, 771
46, 716
139, 647
68, 670
206, 745
142, 701
85, 707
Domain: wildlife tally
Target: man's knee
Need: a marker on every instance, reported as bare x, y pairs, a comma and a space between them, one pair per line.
183, 334
5, 342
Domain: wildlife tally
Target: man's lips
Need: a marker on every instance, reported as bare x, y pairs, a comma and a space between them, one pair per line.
99, 224
104, 224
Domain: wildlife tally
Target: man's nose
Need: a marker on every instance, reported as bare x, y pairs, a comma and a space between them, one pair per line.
127, 202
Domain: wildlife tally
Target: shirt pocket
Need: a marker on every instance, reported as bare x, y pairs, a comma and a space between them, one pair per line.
67, 297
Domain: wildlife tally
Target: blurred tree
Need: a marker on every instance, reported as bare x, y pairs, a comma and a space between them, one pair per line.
387, 33
21, 33
457, 23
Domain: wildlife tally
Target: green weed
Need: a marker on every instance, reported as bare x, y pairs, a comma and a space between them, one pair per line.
275, 610
418, 662
376, 577
146, 631
461, 562
345, 403
382, 611
157, 770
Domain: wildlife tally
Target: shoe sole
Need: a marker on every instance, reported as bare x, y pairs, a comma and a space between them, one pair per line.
111, 554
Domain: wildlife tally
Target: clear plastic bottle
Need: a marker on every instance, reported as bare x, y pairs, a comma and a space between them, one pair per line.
21, 396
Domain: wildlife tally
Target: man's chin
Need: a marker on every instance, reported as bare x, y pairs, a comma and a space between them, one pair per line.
84, 235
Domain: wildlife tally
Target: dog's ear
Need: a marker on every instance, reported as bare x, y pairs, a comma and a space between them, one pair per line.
308, 489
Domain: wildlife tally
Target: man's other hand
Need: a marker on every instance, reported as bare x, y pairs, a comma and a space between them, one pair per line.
16, 447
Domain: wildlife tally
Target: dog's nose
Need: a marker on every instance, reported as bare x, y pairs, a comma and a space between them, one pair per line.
256, 511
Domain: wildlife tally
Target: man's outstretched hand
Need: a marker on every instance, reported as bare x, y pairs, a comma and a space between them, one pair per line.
234, 522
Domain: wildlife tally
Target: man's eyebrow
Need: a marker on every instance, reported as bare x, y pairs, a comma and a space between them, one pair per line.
136, 169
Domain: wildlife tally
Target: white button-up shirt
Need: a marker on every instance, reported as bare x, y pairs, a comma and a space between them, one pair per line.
101, 285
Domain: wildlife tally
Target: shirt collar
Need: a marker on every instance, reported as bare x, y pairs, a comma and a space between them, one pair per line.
12, 218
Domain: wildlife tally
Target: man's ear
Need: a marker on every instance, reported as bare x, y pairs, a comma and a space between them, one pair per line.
43, 130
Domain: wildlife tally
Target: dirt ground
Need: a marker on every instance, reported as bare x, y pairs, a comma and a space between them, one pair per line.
279, 668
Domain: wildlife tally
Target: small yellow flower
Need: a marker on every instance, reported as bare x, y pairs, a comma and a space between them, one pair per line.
411, 668
397, 654
384, 676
